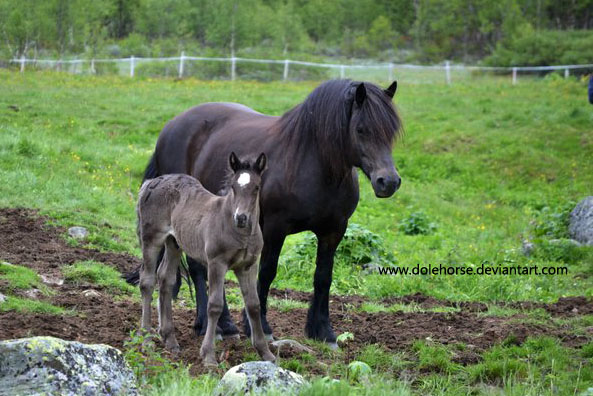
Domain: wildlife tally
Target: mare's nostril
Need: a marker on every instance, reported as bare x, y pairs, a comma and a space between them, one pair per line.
398, 183
381, 183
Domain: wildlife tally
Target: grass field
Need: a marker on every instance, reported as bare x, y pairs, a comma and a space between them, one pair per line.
485, 166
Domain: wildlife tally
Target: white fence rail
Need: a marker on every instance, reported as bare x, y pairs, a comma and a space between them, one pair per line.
286, 69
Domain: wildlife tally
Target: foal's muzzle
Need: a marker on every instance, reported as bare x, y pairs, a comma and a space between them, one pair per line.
241, 221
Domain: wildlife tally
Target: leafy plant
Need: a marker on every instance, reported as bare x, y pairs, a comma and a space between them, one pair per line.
417, 223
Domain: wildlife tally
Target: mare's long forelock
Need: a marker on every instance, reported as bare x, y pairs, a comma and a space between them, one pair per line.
323, 120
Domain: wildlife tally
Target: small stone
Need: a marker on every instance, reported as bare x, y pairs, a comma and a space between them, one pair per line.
91, 293
32, 293
527, 247
292, 344
258, 377
78, 232
2, 298
50, 280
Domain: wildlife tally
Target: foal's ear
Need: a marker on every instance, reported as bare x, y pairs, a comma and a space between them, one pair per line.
234, 162
391, 90
361, 94
261, 163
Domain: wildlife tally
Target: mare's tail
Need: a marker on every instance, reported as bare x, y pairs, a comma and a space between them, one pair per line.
133, 277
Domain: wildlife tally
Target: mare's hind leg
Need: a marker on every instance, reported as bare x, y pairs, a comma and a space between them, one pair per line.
150, 254
248, 283
216, 271
226, 327
167, 276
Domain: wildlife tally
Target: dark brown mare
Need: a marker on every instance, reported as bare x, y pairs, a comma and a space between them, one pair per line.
311, 183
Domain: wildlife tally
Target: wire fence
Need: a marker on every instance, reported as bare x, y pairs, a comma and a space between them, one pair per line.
212, 68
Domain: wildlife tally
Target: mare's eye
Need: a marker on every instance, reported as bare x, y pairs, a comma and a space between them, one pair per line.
360, 130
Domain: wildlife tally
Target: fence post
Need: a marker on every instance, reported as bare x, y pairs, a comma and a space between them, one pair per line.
342, 71
132, 66
566, 73
390, 79
93, 71
181, 64
23, 63
285, 76
233, 68
448, 72
514, 75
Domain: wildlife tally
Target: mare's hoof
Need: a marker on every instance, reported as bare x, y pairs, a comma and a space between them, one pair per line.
227, 329
333, 346
269, 337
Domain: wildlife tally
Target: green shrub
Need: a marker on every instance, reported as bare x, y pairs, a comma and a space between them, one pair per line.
553, 222
417, 223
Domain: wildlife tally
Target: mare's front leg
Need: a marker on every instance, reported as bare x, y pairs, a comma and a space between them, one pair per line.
198, 275
318, 325
216, 271
167, 277
150, 256
248, 283
273, 241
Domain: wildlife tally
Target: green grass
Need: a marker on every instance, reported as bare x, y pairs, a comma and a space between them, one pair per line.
484, 165
99, 274
27, 305
19, 277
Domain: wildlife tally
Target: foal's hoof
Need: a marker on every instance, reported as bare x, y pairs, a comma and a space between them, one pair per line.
210, 361
269, 357
333, 346
269, 337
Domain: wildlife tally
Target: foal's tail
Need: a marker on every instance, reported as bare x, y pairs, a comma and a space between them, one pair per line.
133, 277
151, 171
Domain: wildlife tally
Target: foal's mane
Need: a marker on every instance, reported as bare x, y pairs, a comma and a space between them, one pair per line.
323, 119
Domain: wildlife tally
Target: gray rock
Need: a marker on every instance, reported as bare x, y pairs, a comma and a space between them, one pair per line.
48, 365
2, 298
581, 222
258, 377
78, 232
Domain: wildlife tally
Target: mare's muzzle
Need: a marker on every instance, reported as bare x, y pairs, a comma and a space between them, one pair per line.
385, 183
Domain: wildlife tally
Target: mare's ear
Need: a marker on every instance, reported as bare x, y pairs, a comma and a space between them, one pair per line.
361, 94
391, 90
234, 162
261, 163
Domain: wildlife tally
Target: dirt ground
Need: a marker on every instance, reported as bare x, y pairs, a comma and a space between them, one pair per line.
26, 240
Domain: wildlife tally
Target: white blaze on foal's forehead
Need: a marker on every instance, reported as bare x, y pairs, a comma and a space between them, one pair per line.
244, 179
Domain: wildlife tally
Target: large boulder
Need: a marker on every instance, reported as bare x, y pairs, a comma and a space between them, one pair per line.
258, 377
581, 222
48, 365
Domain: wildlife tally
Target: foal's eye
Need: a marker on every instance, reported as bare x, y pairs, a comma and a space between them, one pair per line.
360, 130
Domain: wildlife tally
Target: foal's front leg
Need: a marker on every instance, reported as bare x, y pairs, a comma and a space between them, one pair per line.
216, 271
248, 283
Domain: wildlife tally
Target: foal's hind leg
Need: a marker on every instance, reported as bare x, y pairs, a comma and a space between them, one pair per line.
248, 283
167, 276
150, 254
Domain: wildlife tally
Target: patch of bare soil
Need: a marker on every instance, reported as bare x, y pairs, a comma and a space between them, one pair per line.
26, 240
